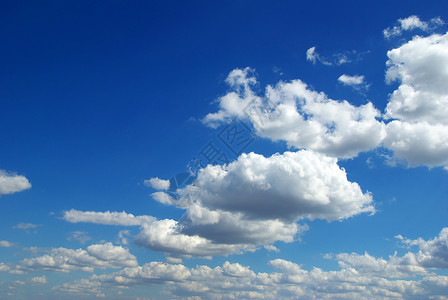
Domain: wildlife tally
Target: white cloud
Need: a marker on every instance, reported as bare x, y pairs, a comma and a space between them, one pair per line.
256, 201
419, 106
106, 218
312, 55
6, 244
11, 183
4, 268
251, 202
158, 184
26, 226
123, 237
351, 80
303, 118
94, 256
359, 277
80, 236
166, 236
39, 280
433, 253
411, 23
335, 60
288, 186
418, 143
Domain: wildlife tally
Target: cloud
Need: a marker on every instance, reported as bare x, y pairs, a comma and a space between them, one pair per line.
11, 183
122, 237
359, 276
251, 202
80, 236
335, 60
39, 280
411, 23
419, 106
4, 268
255, 201
432, 253
312, 55
94, 256
106, 218
158, 184
6, 244
355, 80
304, 118
26, 226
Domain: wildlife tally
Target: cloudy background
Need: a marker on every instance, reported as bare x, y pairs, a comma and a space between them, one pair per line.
239, 150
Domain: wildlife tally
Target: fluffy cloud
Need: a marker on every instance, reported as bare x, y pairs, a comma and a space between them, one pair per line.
158, 184
359, 276
289, 280
304, 118
4, 268
106, 218
11, 183
289, 186
255, 201
6, 244
412, 23
419, 106
432, 253
94, 256
351, 80
39, 280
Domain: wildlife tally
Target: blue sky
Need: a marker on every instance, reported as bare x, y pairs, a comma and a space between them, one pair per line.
313, 137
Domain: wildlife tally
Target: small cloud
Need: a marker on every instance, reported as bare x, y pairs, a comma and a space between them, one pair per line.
122, 237
80, 236
277, 70
11, 183
357, 82
411, 23
26, 226
39, 280
336, 59
158, 184
351, 80
6, 244
271, 248
173, 260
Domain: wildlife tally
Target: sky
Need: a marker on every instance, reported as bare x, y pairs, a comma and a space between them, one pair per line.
224, 150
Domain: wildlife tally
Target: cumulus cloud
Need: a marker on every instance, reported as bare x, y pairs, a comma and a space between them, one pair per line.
357, 82
411, 23
360, 276
289, 280
432, 254
12, 183
251, 202
4, 267
6, 244
419, 106
106, 218
158, 184
255, 201
94, 256
304, 118
39, 280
